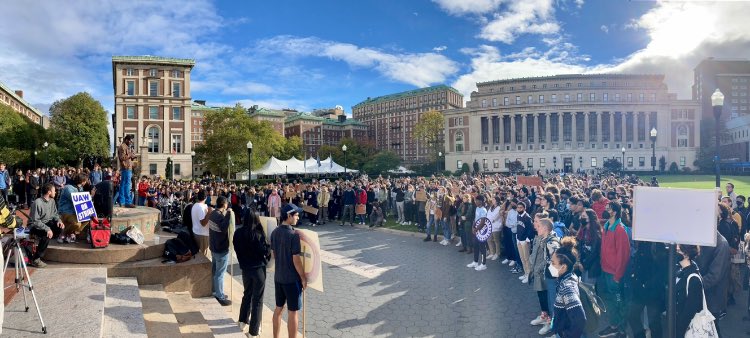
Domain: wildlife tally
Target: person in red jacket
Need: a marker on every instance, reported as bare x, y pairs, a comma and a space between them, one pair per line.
143, 191
615, 255
361, 196
599, 203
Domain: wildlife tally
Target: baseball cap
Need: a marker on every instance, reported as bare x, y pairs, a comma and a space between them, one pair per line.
288, 209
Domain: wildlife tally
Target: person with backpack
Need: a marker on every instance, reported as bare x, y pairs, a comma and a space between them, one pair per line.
689, 294
544, 246
568, 314
253, 254
615, 256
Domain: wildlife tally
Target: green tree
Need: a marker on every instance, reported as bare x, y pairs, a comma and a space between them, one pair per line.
673, 168
292, 147
19, 137
78, 124
663, 163
612, 165
226, 133
515, 166
429, 130
381, 162
465, 168
358, 152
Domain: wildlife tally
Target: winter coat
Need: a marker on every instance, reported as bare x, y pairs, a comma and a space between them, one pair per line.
713, 262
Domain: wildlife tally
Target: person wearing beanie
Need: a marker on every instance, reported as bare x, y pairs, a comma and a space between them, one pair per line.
568, 315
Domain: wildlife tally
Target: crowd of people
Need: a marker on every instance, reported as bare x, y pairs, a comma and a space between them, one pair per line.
570, 229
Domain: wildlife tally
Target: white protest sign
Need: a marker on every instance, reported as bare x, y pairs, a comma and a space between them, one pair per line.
670, 215
83, 206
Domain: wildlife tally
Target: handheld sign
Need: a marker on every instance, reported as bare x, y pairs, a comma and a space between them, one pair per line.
530, 181
483, 229
421, 196
668, 215
83, 205
311, 256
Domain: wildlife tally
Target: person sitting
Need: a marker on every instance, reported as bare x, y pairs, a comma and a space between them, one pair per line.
68, 211
44, 222
377, 219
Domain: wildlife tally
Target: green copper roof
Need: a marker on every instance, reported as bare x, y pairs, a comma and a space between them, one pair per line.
410, 93
303, 116
198, 106
267, 112
152, 59
20, 99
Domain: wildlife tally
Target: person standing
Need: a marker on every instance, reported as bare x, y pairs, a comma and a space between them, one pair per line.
125, 158
524, 236
467, 213
324, 199
218, 226
19, 188
289, 276
494, 214
96, 175
480, 247
688, 288
568, 315
399, 199
615, 255
253, 253
4, 181
348, 200
199, 216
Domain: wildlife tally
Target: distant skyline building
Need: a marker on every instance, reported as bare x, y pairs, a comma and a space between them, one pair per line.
391, 119
571, 122
318, 131
731, 77
153, 104
14, 99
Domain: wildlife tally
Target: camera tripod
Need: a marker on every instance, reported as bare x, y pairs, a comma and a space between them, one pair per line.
22, 278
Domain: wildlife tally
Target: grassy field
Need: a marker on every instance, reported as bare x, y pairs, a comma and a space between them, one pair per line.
741, 183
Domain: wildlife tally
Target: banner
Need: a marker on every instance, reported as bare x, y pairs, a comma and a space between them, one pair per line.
311, 258
83, 205
530, 181
483, 229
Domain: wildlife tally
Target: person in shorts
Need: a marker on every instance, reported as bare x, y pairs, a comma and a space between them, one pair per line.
289, 277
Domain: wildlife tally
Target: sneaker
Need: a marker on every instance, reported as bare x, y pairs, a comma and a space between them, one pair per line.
537, 321
427, 239
481, 267
545, 329
37, 263
442, 242
224, 301
72, 238
472, 265
61, 239
242, 326
494, 257
459, 243
609, 332
512, 263
525, 280
505, 261
522, 276
515, 271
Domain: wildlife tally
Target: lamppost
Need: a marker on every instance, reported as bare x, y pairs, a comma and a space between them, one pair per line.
346, 163
437, 163
554, 162
249, 161
35, 153
623, 160
653, 150
229, 167
46, 153
192, 163
717, 101
580, 162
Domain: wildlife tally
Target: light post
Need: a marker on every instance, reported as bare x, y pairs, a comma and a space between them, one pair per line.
35, 153
437, 163
717, 101
580, 162
554, 162
346, 163
249, 161
623, 160
46, 153
229, 167
653, 150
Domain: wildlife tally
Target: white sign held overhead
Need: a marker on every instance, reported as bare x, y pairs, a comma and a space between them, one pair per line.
668, 215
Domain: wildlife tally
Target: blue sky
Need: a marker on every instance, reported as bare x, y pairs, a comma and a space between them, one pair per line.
316, 54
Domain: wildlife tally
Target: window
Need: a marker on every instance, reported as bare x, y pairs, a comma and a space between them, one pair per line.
682, 137
579, 97
593, 162
641, 161
605, 97
496, 163
176, 73
617, 97
153, 113
592, 97
177, 168
529, 162
459, 164
630, 97
653, 97
506, 101
130, 72
459, 141
176, 89
484, 164
541, 98
518, 100
153, 88
494, 102
640, 97
130, 88
529, 100
554, 98
130, 112
153, 72
176, 144
153, 139
542, 162
567, 98
152, 169
484, 103
176, 113
630, 161
682, 161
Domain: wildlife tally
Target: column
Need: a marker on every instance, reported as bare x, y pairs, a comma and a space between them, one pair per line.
598, 126
586, 128
574, 130
612, 127
523, 131
513, 131
501, 130
635, 128
548, 130
535, 135
624, 127
560, 139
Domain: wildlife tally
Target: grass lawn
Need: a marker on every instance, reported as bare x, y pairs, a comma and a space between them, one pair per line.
741, 183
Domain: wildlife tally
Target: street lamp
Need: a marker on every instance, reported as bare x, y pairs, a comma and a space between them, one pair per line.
623, 160
554, 162
437, 163
346, 163
46, 153
192, 163
35, 153
580, 162
229, 167
717, 101
249, 160
653, 150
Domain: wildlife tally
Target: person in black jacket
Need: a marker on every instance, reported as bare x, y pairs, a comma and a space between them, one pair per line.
253, 254
714, 264
688, 289
647, 281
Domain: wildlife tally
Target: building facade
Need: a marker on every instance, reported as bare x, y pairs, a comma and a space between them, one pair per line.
153, 103
571, 122
731, 77
275, 117
391, 119
14, 99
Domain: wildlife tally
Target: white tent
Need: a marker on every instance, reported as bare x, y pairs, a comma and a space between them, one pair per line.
295, 166
401, 170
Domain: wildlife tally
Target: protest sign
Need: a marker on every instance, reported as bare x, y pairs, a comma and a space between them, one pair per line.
695, 223
421, 196
530, 181
83, 205
311, 258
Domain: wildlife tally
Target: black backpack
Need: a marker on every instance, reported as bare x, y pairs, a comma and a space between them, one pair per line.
593, 307
180, 249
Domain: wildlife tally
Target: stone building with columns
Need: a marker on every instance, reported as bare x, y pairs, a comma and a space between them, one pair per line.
571, 122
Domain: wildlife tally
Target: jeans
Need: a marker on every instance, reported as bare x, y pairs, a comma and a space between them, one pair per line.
4, 193
551, 284
40, 234
400, 211
446, 229
509, 244
613, 295
254, 282
348, 214
124, 193
431, 223
219, 264
480, 252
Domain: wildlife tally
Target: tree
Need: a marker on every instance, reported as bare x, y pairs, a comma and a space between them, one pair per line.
465, 168
19, 138
382, 162
612, 165
429, 130
227, 131
673, 168
169, 169
358, 152
515, 166
78, 124
662, 163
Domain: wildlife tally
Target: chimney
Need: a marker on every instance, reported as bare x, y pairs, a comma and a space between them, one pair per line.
201, 102
19, 93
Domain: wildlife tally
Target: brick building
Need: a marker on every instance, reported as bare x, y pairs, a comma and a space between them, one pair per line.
14, 99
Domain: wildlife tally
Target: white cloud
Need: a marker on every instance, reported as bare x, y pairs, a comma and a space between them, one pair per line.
521, 17
460, 7
439, 48
419, 69
604, 29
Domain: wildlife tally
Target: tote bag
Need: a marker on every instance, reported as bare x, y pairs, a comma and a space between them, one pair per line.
702, 325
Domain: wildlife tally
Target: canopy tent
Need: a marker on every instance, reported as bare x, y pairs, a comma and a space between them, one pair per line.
401, 170
295, 166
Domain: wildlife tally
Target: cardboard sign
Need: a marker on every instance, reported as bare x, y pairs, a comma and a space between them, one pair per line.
695, 223
530, 181
83, 205
310, 210
311, 258
421, 196
360, 209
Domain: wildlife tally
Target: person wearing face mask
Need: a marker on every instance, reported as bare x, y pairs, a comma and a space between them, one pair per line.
615, 255
568, 316
689, 294
589, 239
544, 246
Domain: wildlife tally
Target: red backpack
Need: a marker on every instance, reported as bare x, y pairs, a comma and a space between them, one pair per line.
100, 231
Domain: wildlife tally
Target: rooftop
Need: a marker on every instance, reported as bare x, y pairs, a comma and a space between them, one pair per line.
20, 99
266, 112
198, 106
150, 59
659, 77
303, 116
409, 93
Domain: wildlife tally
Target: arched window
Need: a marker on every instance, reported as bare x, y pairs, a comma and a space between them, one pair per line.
682, 137
459, 141
153, 139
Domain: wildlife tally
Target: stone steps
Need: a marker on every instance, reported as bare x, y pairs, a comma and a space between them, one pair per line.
157, 313
123, 310
82, 253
